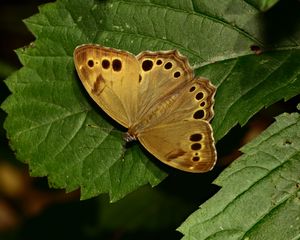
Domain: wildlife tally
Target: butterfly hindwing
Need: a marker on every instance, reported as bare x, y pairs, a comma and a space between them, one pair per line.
193, 100
181, 135
187, 145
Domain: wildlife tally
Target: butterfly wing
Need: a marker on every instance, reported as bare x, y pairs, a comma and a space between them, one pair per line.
188, 145
111, 77
160, 74
181, 135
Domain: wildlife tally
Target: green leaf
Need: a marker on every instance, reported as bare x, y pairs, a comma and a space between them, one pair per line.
249, 83
262, 5
260, 191
54, 126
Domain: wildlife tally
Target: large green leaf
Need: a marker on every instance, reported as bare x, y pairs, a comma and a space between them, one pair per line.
260, 191
54, 126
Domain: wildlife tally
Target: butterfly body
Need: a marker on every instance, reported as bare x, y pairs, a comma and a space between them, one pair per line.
157, 97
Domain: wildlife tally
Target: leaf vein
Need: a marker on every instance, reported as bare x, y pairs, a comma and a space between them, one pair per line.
242, 95
250, 186
199, 14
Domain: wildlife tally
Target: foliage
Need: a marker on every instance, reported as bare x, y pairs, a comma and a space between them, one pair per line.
58, 131
260, 191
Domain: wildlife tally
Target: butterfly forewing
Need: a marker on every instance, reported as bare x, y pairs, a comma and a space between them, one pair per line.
111, 77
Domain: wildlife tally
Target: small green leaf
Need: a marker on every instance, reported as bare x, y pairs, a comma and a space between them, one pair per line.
262, 5
54, 126
260, 191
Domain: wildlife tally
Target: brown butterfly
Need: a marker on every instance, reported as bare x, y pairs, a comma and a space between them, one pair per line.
157, 97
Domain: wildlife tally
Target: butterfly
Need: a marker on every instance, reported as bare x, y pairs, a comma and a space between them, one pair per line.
157, 97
